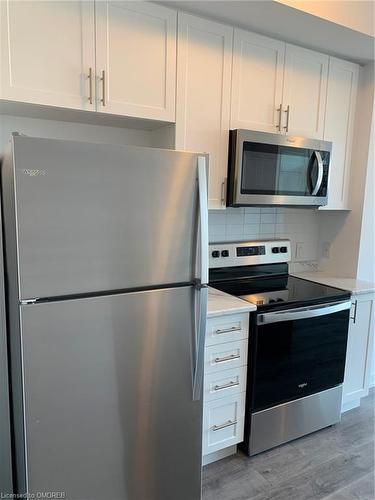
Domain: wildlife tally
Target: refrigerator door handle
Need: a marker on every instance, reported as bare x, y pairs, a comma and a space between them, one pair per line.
203, 221
200, 334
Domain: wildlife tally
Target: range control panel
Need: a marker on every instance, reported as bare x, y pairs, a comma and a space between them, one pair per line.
245, 253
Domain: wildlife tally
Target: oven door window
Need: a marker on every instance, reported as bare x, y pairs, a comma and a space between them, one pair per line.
269, 169
298, 358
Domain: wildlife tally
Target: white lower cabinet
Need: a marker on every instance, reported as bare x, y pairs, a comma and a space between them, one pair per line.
223, 423
224, 356
359, 351
225, 375
227, 329
224, 383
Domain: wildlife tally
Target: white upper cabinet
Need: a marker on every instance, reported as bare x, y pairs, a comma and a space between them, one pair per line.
47, 52
136, 59
257, 82
277, 87
338, 128
305, 90
203, 96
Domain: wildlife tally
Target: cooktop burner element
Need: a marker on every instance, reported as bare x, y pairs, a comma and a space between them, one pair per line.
254, 272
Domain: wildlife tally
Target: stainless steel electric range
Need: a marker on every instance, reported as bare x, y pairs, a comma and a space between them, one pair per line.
297, 343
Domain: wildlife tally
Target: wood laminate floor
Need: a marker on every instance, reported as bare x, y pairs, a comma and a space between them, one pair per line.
336, 463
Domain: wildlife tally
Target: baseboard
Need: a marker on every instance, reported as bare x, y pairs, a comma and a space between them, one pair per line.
350, 405
218, 455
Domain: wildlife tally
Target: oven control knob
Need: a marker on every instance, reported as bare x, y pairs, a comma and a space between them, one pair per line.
276, 249
215, 254
283, 249
225, 253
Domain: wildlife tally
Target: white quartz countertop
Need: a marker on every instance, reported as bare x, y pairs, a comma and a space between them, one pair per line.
353, 285
221, 303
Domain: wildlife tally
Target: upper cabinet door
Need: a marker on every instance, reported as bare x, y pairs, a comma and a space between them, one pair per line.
203, 96
338, 128
305, 89
136, 59
257, 82
48, 52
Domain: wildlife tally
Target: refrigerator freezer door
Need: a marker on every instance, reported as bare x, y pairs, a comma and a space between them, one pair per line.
97, 217
108, 397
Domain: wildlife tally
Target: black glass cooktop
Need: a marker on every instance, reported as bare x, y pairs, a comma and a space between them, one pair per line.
277, 291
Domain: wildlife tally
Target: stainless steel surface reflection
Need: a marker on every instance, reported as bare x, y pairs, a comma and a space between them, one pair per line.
102, 217
108, 389
282, 423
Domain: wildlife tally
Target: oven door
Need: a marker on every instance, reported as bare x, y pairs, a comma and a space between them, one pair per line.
299, 352
282, 170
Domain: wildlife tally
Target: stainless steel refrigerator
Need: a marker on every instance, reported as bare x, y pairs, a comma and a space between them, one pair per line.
106, 262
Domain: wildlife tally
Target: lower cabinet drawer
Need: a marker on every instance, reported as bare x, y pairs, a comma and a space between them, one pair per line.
224, 356
224, 383
223, 422
227, 328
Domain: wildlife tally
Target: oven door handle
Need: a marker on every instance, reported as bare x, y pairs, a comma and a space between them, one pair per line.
303, 312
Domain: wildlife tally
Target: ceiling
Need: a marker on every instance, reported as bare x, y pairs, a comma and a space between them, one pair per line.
286, 23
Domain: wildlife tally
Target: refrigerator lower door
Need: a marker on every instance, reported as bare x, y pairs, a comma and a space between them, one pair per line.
86, 217
109, 412
5, 438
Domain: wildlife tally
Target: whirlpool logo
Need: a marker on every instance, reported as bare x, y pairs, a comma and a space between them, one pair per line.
301, 386
33, 172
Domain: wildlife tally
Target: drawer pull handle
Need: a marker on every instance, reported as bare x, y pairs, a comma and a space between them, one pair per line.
229, 423
227, 358
228, 330
226, 386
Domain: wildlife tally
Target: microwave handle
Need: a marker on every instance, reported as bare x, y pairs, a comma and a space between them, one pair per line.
318, 156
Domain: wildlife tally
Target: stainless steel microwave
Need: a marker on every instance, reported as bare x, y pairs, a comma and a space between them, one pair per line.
274, 169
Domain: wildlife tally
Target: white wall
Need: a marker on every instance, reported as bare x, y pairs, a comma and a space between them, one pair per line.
66, 130
357, 15
366, 260
301, 226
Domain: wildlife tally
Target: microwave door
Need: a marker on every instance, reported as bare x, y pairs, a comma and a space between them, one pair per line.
269, 169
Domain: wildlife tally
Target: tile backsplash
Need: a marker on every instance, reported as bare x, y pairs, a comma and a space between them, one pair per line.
301, 226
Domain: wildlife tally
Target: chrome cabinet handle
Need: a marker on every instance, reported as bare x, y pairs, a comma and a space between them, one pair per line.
287, 111
228, 330
229, 423
226, 386
354, 317
102, 79
279, 110
223, 190
227, 358
90, 85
